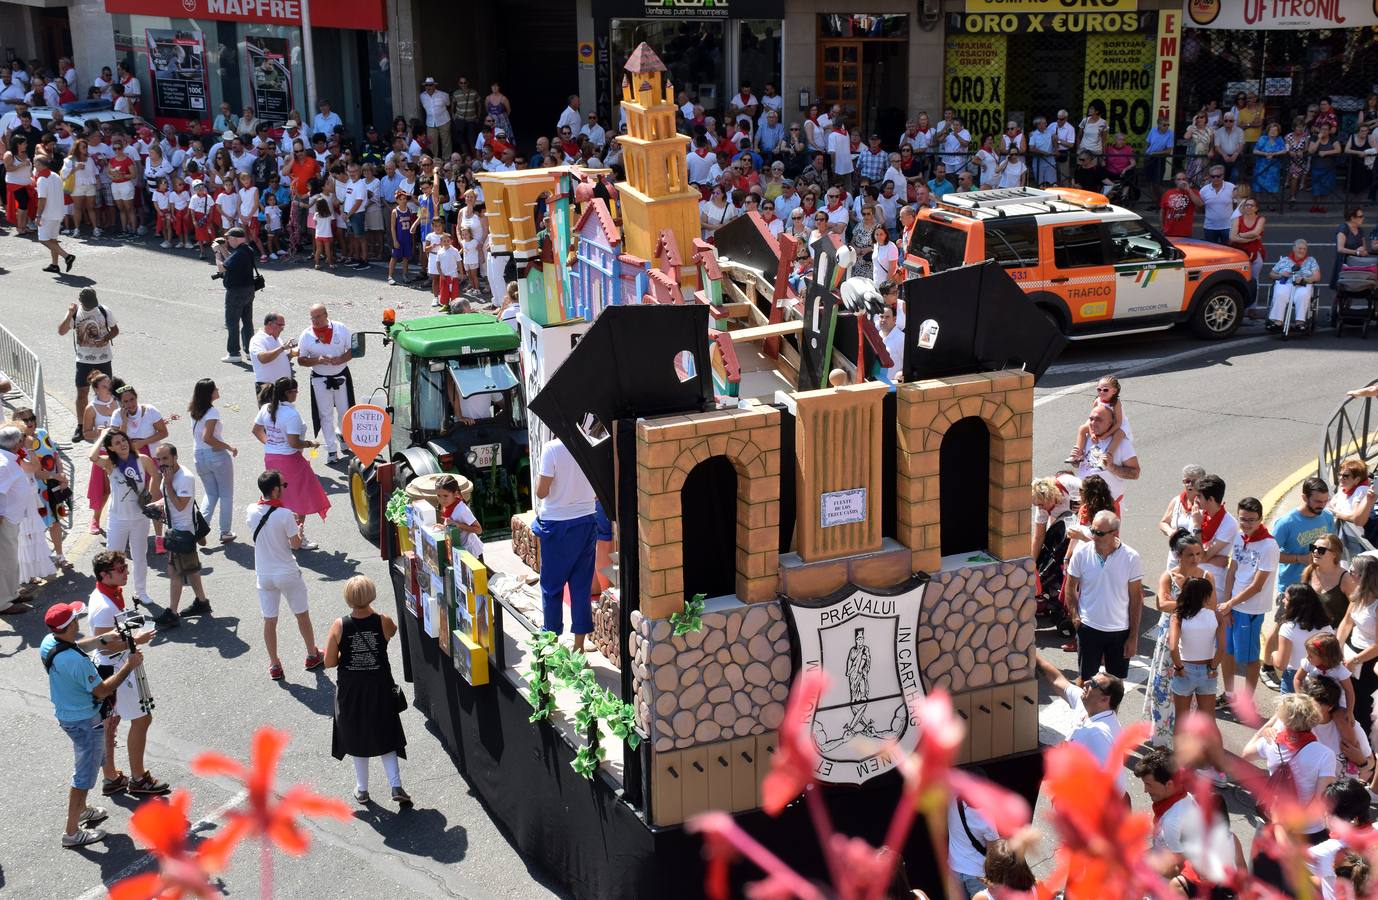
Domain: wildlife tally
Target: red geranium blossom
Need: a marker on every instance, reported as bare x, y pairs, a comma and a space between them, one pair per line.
162, 826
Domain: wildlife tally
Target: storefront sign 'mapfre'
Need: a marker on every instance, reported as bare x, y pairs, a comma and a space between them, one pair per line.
365, 15
865, 643
1293, 15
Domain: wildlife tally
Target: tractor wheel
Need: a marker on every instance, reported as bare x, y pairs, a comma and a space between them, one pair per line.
363, 496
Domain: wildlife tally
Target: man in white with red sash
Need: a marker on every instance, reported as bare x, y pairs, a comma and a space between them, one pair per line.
324, 348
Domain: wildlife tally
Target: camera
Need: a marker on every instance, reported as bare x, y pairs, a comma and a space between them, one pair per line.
152, 513
217, 276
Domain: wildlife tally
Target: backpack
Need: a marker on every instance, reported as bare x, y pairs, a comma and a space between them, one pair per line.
1280, 783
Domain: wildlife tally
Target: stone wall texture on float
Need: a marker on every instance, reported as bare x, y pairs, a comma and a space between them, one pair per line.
976, 641
730, 679
605, 612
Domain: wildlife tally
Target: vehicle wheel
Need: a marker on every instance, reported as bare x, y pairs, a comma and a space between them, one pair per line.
363, 496
1054, 318
1218, 313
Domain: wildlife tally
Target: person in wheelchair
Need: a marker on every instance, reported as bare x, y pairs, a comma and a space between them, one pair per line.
1295, 276
1121, 174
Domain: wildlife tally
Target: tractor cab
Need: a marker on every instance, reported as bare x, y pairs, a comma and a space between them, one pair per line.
455, 397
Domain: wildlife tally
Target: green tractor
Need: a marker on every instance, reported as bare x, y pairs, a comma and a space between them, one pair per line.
455, 398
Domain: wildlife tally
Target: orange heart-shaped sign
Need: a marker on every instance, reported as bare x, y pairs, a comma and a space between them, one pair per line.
367, 429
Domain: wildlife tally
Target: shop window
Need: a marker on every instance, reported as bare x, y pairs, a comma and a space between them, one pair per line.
1076, 246
758, 54
862, 25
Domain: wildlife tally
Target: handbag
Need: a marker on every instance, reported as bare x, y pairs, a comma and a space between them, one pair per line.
399, 698
179, 541
200, 527
259, 283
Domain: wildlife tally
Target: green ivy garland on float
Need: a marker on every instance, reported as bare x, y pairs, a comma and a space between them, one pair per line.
396, 510
551, 662
691, 619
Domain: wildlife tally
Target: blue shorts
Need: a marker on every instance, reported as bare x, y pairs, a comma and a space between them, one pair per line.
1287, 682
1195, 679
356, 224
1242, 638
88, 740
602, 529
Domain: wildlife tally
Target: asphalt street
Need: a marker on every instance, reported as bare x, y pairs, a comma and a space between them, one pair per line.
1250, 409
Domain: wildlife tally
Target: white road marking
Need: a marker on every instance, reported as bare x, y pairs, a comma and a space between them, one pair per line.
1136, 366
138, 865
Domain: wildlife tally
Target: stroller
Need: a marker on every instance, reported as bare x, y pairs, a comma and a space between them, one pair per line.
1050, 607
1356, 295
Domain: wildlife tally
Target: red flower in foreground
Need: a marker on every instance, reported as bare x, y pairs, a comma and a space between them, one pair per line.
162, 826
272, 821
1103, 843
796, 755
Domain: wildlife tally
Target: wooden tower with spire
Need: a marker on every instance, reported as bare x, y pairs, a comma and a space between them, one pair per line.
657, 194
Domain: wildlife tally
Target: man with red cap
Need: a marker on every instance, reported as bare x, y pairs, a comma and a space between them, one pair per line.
77, 690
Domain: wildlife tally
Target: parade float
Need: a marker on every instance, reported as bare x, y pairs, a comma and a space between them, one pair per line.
776, 509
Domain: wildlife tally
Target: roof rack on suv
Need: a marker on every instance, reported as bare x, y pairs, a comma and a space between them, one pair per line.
1021, 201
995, 199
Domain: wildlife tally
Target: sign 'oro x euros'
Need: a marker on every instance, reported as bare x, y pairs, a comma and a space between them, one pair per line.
366, 431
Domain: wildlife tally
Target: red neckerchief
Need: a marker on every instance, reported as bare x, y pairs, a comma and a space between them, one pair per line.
1182, 500
1062, 487
1295, 740
768, 217
1160, 807
702, 151
744, 96
1210, 523
834, 207
445, 511
116, 594
20, 454
1349, 491
1083, 515
324, 334
1259, 534
277, 503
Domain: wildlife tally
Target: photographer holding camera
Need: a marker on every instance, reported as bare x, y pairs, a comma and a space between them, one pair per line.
240, 277
77, 688
132, 704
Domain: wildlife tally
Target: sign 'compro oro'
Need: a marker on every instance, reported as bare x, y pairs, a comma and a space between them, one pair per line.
863, 723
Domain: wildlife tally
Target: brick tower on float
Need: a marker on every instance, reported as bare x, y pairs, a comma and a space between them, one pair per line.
657, 194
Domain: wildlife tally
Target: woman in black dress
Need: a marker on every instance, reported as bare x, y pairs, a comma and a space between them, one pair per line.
366, 721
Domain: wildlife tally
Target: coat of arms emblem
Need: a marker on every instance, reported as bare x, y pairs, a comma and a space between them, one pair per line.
865, 642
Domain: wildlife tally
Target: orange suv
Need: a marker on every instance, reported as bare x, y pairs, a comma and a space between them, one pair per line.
1095, 269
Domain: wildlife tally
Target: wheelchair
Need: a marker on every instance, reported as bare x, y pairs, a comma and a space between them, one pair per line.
1050, 608
1356, 295
1291, 326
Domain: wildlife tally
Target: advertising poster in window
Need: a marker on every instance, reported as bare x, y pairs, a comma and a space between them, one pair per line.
177, 70
271, 66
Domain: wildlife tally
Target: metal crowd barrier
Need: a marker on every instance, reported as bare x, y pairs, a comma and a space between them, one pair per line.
22, 367
1349, 433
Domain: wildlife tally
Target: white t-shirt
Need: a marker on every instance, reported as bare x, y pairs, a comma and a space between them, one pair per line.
1219, 204
273, 549
288, 421
1104, 583
894, 343
209, 424
89, 326
1320, 860
1337, 674
50, 190
229, 208
465, 516
139, 426
700, 167
1227, 531
961, 855
280, 367
312, 347
1168, 831
1309, 765
447, 262
571, 496
1096, 733
101, 612
1299, 636
1250, 559
1068, 497
183, 485
1094, 457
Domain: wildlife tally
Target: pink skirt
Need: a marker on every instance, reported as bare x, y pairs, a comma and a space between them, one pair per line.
97, 487
304, 494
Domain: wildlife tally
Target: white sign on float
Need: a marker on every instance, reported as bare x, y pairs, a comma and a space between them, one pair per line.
843, 507
866, 643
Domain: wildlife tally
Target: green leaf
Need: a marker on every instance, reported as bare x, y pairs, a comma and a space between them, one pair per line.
396, 509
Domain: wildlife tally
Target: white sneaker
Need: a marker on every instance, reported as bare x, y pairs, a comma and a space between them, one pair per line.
141, 230
166, 245
185, 245
82, 837
230, 358
96, 232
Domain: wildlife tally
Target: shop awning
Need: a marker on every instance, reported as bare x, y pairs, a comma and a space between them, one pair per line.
362, 14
